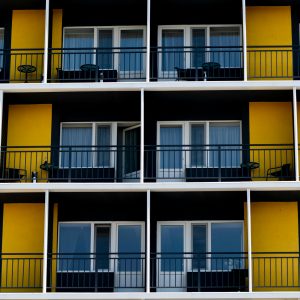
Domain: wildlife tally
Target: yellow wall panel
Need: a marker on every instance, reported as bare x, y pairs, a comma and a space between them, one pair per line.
269, 26
270, 123
23, 232
29, 125
274, 229
28, 28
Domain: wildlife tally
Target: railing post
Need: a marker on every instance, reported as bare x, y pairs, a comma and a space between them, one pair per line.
148, 262
45, 253
249, 240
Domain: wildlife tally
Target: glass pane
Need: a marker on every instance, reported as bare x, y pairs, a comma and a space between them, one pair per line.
171, 147
225, 134
198, 50
227, 237
131, 56
197, 145
132, 153
1, 47
103, 143
102, 247
81, 152
105, 51
172, 248
172, 50
199, 246
129, 248
225, 53
74, 241
80, 42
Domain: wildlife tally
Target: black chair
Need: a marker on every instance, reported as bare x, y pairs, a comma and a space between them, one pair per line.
211, 70
282, 172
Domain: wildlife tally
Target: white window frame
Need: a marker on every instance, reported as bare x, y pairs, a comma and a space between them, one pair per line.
94, 124
188, 239
187, 41
116, 43
186, 140
113, 241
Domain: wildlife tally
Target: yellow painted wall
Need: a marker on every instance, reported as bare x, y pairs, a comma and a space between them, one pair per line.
23, 231
274, 229
269, 26
29, 125
57, 37
28, 28
270, 123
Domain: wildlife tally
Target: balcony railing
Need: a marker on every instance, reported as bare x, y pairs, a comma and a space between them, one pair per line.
97, 64
126, 272
161, 163
166, 63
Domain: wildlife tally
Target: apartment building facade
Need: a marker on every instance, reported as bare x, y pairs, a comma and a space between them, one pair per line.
149, 149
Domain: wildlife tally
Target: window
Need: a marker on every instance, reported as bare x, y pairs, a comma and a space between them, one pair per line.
199, 144
1, 47
78, 242
119, 48
212, 245
190, 46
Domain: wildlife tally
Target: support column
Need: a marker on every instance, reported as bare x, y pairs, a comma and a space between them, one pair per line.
1, 115
244, 40
142, 137
45, 254
148, 253
148, 54
295, 124
249, 240
46, 41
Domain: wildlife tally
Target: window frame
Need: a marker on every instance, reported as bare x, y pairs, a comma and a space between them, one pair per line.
116, 42
186, 140
113, 241
187, 40
188, 239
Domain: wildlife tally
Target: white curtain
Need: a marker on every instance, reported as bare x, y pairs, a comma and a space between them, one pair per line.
225, 37
131, 60
103, 143
78, 39
172, 57
224, 135
81, 157
171, 147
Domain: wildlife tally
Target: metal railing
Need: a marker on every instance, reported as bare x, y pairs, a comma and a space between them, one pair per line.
219, 162
97, 272
21, 65
197, 63
117, 272
97, 64
166, 163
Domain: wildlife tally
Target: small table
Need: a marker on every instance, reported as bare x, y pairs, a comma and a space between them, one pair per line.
27, 69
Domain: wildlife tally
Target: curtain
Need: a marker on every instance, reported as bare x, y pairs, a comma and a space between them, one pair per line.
131, 56
81, 157
78, 39
225, 135
199, 236
1, 47
74, 239
105, 52
222, 37
171, 156
197, 145
103, 149
172, 57
198, 49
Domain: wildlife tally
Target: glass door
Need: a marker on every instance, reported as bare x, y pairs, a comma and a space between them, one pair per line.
102, 247
170, 260
129, 276
105, 55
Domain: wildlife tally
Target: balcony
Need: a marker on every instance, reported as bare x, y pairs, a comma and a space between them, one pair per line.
125, 272
190, 163
166, 64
